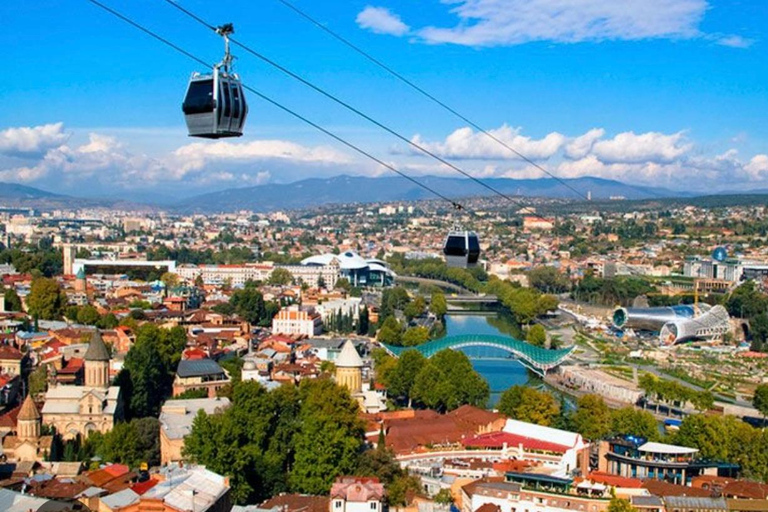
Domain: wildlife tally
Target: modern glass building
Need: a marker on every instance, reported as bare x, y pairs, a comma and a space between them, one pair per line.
358, 270
634, 457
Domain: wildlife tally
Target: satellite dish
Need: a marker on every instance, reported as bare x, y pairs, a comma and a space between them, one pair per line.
719, 254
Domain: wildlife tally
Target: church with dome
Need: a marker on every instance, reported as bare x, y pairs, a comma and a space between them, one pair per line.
94, 406
27, 444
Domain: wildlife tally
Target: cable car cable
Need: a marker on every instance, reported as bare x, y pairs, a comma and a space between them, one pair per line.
428, 95
349, 107
442, 104
454, 204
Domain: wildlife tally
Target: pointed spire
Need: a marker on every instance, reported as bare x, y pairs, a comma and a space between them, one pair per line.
97, 350
28, 410
349, 358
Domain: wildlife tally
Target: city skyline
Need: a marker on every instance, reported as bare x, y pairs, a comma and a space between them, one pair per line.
669, 96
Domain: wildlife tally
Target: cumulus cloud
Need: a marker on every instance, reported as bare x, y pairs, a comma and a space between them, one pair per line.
104, 160
628, 147
580, 146
757, 167
381, 21
651, 158
466, 143
31, 141
509, 22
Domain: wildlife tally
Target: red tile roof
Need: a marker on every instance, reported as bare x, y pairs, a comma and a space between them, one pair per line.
10, 353
142, 487
499, 439
615, 481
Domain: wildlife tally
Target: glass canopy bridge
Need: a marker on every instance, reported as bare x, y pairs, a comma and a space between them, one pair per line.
537, 359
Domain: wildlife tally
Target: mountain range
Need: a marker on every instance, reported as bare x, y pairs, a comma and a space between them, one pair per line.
340, 189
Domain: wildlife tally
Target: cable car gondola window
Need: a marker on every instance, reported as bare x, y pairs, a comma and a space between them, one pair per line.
199, 98
455, 246
474, 248
235, 101
227, 100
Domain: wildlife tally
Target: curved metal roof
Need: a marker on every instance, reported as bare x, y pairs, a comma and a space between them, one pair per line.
536, 358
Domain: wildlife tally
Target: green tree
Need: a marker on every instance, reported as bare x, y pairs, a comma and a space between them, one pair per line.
443, 497
88, 315
438, 305
390, 333
415, 308
447, 381
38, 380
536, 335
46, 301
251, 441
620, 505
170, 280
530, 405
343, 284
249, 304
363, 322
401, 378
129, 443
280, 277
631, 421
330, 438
592, 418
150, 366
760, 399
12, 300
548, 280
414, 336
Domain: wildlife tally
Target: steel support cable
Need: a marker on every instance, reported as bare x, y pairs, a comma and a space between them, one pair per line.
454, 204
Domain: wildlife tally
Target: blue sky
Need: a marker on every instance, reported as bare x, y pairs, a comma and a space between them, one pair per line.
645, 92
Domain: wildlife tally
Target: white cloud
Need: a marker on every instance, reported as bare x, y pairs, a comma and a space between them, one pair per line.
31, 141
582, 145
381, 21
628, 147
103, 161
198, 155
734, 41
509, 22
757, 167
465, 143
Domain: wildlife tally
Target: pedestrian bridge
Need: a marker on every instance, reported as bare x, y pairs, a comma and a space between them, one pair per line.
537, 359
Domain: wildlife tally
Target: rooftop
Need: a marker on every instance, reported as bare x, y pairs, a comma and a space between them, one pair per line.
198, 368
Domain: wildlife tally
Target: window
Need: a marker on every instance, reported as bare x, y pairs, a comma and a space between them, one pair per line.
199, 98
338, 504
373, 505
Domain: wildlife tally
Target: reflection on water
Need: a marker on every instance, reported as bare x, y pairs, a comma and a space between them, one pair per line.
500, 372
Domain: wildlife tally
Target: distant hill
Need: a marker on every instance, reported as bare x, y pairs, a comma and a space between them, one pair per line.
348, 189
16, 191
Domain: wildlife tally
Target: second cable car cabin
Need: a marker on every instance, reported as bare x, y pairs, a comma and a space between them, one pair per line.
214, 106
461, 249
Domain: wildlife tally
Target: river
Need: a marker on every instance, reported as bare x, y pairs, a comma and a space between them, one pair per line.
501, 373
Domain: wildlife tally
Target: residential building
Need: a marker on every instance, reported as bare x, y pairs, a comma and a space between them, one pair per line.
187, 488
298, 321
11, 360
199, 374
176, 419
357, 494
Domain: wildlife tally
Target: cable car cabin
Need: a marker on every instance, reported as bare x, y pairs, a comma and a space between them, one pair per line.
215, 106
462, 249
